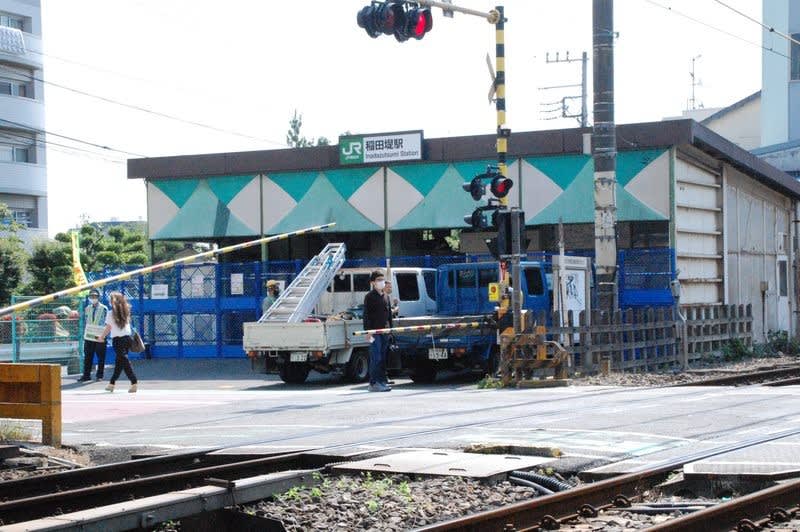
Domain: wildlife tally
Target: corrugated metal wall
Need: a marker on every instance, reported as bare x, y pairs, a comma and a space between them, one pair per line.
758, 229
698, 232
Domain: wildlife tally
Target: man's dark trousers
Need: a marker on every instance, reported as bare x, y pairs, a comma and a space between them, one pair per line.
89, 350
377, 359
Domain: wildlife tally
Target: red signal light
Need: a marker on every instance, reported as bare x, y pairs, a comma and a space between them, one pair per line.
501, 186
420, 22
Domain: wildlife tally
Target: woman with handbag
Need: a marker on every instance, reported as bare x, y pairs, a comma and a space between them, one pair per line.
118, 324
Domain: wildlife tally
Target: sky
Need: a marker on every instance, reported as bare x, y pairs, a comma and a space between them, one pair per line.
244, 66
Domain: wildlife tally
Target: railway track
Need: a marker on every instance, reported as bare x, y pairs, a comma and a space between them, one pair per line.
222, 483
772, 377
551, 511
77, 490
33, 498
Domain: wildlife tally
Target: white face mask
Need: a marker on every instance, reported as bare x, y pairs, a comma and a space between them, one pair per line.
379, 285
93, 300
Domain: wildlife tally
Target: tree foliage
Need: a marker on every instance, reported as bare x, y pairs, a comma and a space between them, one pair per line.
50, 268
294, 139
12, 257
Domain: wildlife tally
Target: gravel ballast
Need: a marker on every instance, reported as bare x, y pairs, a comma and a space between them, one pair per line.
390, 503
700, 370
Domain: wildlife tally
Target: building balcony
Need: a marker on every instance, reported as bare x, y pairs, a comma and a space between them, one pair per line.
23, 178
33, 56
22, 111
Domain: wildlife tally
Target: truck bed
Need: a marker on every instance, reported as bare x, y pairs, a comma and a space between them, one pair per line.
305, 336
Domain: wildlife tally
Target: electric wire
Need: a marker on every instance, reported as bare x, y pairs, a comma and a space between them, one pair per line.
150, 111
63, 148
73, 139
728, 33
771, 29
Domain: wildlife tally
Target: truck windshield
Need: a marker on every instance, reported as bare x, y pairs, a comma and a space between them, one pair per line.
361, 282
407, 287
533, 278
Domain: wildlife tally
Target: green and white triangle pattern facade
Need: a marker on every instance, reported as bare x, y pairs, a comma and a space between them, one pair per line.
418, 196
211, 207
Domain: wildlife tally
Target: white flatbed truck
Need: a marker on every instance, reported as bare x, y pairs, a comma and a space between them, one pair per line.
294, 349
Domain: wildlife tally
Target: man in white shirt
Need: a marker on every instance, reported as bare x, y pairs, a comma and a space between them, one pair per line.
95, 316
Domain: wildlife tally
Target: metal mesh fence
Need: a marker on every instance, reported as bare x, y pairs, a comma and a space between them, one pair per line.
51, 331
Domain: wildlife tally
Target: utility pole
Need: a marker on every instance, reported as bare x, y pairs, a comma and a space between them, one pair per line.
695, 83
562, 105
604, 152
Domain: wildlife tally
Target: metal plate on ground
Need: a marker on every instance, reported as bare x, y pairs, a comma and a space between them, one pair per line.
770, 461
444, 463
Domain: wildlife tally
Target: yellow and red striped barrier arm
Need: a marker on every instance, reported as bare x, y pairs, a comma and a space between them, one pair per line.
423, 328
157, 267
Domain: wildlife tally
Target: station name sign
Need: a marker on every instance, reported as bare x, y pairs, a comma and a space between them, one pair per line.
380, 148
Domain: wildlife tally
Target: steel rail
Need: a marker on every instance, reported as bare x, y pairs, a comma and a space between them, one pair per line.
90, 476
727, 515
783, 382
748, 378
549, 510
119, 491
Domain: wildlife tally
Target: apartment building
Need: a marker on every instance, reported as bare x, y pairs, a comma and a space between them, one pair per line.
23, 171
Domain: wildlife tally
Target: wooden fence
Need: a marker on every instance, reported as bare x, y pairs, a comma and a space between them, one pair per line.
647, 339
709, 328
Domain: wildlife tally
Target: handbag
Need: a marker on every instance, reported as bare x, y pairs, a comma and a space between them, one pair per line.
137, 345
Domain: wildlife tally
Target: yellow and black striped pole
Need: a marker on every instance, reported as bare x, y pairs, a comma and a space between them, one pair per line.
157, 267
423, 328
500, 95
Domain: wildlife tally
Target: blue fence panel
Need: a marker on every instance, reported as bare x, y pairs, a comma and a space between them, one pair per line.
645, 276
198, 310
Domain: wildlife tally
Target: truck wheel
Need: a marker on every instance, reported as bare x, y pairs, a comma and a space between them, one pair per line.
424, 372
294, 372
358, 367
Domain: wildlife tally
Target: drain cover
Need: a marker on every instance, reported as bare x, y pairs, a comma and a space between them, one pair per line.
443, 462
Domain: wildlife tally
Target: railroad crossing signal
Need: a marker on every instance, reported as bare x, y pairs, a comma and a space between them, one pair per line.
500, 186
476, 188
401, 18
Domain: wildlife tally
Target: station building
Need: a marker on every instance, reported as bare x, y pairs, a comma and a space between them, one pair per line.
726, 215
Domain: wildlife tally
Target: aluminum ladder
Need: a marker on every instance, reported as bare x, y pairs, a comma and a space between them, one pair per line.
298, 300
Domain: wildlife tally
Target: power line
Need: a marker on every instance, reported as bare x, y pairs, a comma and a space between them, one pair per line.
63, 148
73, 139
771, 29
729, 34
152, 112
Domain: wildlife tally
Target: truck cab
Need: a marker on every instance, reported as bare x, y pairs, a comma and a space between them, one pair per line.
463, 289
414, 288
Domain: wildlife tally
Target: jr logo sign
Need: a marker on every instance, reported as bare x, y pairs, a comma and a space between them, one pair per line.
351, 150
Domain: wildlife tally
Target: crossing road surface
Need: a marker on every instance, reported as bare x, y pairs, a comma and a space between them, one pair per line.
181, 405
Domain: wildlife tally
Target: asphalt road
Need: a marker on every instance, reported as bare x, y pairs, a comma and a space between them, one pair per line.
190, 404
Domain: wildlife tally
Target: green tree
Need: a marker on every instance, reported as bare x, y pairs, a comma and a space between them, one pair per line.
166, 250
50, 267
296, 140
12, 257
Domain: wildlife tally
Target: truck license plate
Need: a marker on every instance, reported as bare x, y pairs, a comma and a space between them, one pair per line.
437, 354
298, 357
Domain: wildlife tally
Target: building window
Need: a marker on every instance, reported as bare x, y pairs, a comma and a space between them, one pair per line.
15, 88
16, 154
795, 60
12, 21
783, 278
24, 217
